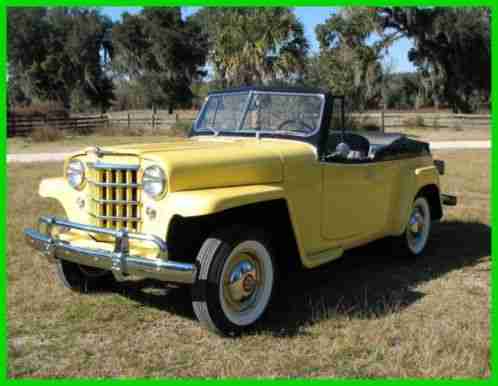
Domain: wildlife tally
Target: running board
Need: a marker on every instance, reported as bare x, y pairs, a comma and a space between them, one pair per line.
322, 257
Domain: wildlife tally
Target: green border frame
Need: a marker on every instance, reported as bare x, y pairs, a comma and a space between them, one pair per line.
294, 3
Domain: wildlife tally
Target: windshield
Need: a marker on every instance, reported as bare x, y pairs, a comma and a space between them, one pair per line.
268, 112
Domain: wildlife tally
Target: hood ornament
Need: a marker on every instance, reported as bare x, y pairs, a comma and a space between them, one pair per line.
95, 151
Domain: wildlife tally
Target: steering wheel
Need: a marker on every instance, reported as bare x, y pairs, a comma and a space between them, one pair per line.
298, 121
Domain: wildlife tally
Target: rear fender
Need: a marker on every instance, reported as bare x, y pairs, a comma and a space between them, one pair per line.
410, 185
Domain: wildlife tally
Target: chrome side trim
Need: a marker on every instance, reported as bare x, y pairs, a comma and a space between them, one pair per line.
119, 261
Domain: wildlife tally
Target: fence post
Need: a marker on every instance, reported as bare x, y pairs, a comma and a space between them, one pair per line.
129, 123
13, 129
382, 121
153, 122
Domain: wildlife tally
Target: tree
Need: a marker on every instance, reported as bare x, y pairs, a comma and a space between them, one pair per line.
54, 54
350, 60
452, 50
254, 45
161, 52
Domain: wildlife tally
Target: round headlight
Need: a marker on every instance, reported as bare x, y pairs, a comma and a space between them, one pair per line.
154, 181
75, 173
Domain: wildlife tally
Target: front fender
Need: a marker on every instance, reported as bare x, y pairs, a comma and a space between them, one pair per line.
58, 189
208, 201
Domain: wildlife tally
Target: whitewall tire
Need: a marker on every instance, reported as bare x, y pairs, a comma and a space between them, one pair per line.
235, 282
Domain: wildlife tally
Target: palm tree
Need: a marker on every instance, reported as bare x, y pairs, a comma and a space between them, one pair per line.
256, 45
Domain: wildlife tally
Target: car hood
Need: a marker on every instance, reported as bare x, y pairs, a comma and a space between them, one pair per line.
211, 162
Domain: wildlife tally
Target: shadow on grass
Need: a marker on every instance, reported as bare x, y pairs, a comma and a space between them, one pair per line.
367, 281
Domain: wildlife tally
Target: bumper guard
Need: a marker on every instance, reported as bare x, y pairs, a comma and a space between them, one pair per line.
119, 261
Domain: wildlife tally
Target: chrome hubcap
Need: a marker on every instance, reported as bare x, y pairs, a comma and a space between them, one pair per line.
418, 226
241, 282
416, 222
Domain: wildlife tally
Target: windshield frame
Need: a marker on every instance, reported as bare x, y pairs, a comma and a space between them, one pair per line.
251, 94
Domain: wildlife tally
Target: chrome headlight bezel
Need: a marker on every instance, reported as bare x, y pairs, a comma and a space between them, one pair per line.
75, 174
154, 181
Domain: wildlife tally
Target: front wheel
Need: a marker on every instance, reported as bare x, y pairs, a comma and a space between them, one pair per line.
83, 279
236, 280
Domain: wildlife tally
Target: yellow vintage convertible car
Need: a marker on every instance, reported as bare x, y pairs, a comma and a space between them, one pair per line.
266, 179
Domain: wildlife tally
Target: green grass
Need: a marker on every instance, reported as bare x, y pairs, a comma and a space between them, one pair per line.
369, 314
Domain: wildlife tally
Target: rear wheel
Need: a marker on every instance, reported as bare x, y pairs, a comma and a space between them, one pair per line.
236, 280
414, 240
83, 279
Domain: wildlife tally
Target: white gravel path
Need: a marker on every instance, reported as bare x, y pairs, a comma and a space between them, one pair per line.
51, 157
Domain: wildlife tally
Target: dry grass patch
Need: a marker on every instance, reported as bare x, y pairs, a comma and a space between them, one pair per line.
369, 314
444, 134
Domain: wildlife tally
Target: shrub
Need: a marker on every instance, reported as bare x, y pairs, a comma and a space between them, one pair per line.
46, 134
435, 124
368, 124
181, 128
417, 122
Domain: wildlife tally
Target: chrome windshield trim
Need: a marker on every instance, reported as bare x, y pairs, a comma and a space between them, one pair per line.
251, 93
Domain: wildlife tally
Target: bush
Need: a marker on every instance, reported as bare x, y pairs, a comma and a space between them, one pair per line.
46, 134
417, 122
181, 128
435, 124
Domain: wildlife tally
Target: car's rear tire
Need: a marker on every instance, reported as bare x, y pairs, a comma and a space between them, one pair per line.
235, 282
83, 279
414, 240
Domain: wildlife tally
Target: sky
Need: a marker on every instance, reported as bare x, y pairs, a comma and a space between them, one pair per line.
310, 17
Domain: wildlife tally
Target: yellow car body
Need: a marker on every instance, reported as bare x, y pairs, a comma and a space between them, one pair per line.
220, 209
327, 203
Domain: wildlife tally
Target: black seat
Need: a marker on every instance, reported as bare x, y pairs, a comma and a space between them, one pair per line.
356, 142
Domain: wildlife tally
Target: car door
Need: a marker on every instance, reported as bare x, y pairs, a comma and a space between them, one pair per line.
355, 199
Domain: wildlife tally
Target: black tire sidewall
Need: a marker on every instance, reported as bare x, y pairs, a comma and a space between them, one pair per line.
74, 278
402, 240
207, 291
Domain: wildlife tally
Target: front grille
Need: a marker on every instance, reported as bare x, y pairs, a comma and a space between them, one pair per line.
115, 195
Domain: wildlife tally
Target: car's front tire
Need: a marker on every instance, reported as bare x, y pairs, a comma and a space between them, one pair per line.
235, 282
83, 279
414, 240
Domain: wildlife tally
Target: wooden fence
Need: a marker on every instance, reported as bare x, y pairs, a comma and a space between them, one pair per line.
161, 122
85, 123
429, 120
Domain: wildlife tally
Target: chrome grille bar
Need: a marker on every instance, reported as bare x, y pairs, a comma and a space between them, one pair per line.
125, 202
115, 218
115, 196
114, 184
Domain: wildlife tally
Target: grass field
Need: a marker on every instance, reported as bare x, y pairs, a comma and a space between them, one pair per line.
369, 314
17, 145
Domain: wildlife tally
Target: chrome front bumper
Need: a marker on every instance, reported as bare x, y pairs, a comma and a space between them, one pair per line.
119, 261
